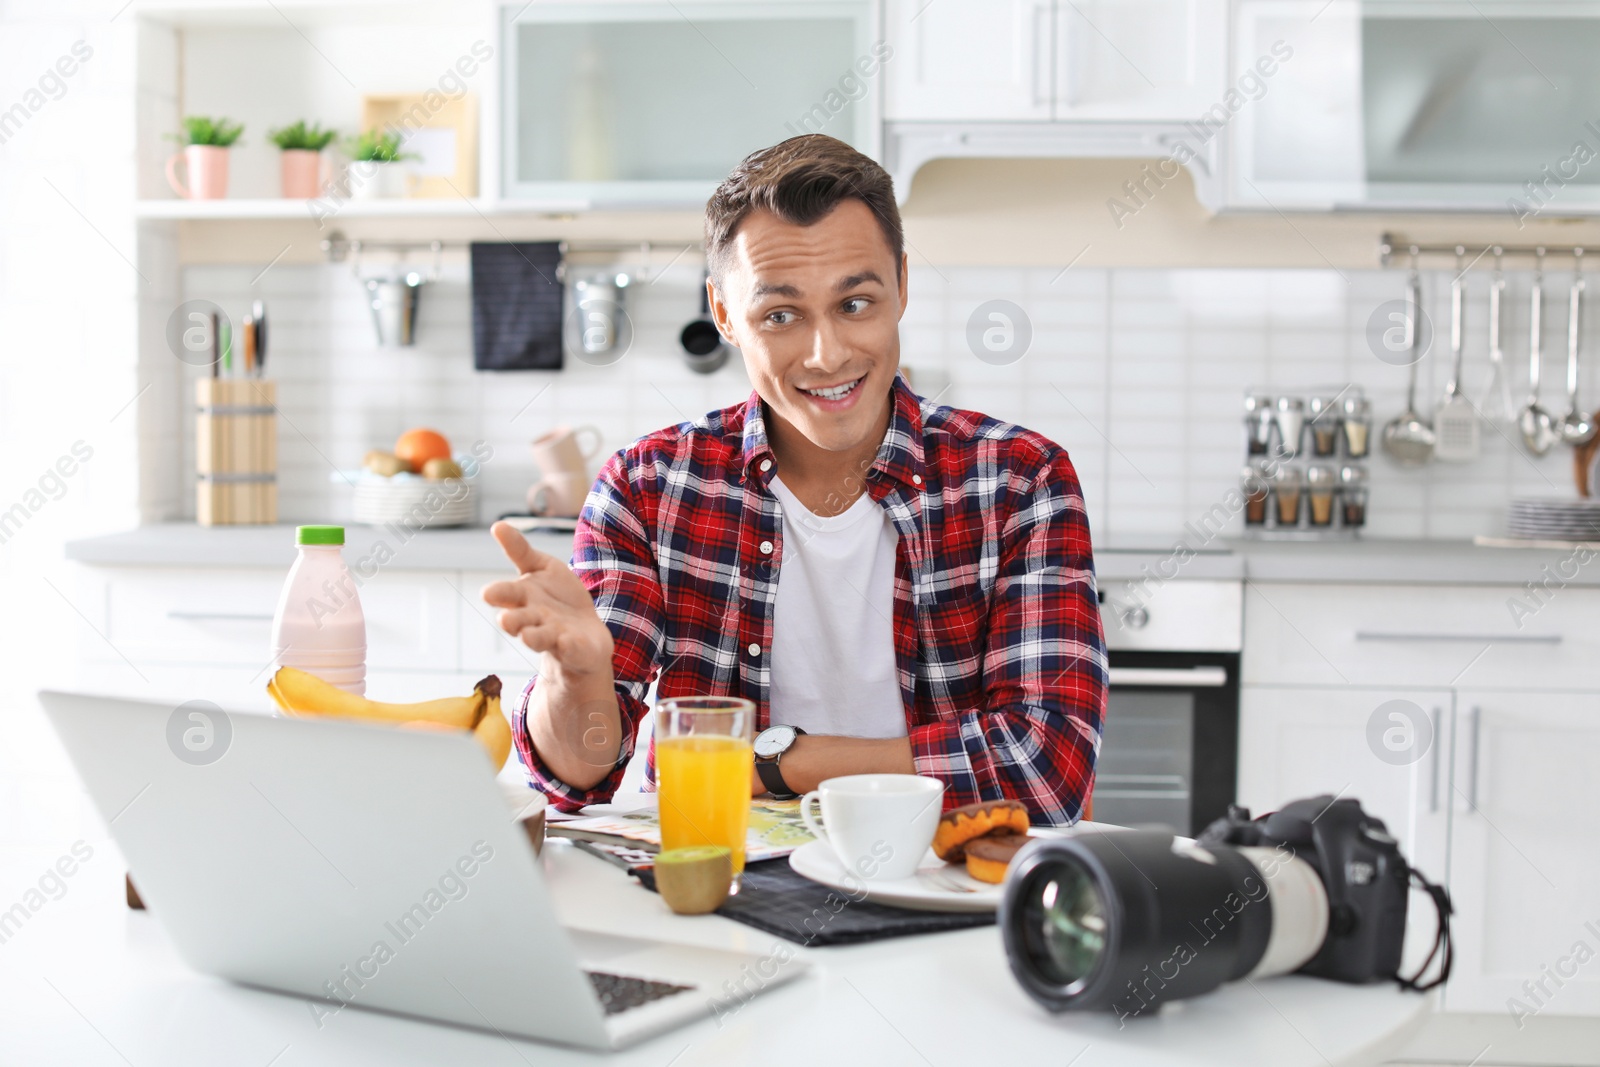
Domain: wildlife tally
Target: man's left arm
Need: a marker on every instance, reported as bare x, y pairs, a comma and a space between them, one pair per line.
1044, 667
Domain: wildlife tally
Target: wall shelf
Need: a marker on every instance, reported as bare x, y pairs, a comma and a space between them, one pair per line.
312, 210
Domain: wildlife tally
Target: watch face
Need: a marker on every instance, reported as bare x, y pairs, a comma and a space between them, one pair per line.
773, 740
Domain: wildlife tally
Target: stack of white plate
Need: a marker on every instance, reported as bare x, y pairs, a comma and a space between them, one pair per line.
415, 502
1552, 519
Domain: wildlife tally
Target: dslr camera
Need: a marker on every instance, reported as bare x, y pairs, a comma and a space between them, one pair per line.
1126, 920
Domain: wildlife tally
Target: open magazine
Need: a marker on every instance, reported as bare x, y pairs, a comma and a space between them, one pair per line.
775, 828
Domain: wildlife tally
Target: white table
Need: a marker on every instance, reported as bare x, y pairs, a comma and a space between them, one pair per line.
87, 982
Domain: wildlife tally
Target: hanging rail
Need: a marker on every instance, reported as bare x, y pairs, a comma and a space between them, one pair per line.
1391, 248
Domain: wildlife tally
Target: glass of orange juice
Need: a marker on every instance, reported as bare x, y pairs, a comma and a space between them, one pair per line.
703, 766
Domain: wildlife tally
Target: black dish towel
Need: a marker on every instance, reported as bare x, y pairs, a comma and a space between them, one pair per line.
516, 306
773, 898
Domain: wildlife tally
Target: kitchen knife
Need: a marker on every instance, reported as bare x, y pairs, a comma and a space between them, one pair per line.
258, 310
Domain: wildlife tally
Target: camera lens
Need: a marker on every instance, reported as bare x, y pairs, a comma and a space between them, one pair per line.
1064, 923
1124, 921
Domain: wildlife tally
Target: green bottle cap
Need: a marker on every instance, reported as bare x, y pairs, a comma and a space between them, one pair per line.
319, 535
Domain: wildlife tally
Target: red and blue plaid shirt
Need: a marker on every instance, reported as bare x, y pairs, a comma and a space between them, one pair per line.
997, 638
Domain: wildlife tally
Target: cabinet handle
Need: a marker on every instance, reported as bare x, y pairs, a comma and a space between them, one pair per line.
216, 616
1472, 771
1433, 786
1477, 639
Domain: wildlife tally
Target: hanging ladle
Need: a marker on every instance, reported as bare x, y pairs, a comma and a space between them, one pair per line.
1540, 432
1408, 437
1577, 428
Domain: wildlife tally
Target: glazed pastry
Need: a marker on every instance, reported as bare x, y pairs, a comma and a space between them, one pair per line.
989, 857
972, 821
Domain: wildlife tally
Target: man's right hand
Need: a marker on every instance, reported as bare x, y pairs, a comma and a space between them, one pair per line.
573, 721
549, 608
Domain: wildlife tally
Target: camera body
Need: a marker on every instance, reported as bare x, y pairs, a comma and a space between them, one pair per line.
1366, 878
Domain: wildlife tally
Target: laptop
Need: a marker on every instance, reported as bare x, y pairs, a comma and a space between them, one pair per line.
363, 866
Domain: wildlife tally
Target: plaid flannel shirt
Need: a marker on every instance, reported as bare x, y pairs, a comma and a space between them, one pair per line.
1000, 655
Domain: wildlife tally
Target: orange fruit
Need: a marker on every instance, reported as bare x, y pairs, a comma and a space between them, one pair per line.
416, 447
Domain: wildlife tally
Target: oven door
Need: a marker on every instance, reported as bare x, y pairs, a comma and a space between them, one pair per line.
1170, 742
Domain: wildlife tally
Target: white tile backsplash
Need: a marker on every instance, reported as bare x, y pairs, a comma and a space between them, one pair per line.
1137, 372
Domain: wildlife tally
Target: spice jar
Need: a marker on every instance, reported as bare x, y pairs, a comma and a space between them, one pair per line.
1357, 426
1286, 490
1289, 412
1325, 423
1353, 496
1258, 424
1320, 481
1254, 484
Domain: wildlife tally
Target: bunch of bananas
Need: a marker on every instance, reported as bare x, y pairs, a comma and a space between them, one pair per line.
307, 696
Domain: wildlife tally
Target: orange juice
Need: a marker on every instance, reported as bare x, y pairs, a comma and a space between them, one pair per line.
704, 783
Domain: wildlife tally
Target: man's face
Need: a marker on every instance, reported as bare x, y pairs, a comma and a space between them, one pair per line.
816, 310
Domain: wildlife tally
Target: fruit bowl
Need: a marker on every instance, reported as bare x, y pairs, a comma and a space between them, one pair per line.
416, 502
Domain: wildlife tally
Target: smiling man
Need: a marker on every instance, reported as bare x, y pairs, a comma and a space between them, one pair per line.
897, 586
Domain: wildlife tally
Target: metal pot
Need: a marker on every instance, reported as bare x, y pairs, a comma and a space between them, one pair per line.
394, 308
703, 349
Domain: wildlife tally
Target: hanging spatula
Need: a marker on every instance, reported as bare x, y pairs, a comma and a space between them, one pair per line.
1455, 421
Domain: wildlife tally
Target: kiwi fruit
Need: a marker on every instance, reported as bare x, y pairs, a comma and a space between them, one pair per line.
696, 880
440, 469
385, 463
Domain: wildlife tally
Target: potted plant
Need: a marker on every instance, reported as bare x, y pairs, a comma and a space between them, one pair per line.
205, 157
302, 147
375, 169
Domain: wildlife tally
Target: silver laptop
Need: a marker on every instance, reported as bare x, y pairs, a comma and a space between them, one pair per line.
367, 867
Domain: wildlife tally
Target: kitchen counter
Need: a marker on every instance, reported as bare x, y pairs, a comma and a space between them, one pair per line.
472, 549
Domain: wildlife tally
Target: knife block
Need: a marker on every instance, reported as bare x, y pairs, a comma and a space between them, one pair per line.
236, 451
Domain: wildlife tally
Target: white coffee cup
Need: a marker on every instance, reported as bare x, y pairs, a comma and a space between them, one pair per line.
878, 825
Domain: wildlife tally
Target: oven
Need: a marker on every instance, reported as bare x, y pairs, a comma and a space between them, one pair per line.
1169, 752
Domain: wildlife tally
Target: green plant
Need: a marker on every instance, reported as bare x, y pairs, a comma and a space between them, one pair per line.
201, 129
311, 138
371, 146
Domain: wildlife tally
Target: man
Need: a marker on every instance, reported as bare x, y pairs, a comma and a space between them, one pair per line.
909, 587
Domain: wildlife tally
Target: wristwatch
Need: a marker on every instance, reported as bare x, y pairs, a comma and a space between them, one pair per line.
770, 746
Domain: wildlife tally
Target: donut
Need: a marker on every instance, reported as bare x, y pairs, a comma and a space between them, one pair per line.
960, 825
989, 857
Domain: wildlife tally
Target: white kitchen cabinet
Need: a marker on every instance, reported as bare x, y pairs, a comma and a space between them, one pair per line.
971, 60
1138, 59
1525, 858
1296, 742
1418, 635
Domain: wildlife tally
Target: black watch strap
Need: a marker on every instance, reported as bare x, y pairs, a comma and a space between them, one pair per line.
772, 778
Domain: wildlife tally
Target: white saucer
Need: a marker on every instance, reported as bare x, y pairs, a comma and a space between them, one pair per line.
937, 885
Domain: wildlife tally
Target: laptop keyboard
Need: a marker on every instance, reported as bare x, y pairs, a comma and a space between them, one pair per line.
618, 992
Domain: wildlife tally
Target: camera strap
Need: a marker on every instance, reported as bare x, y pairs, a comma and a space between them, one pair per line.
1443, 945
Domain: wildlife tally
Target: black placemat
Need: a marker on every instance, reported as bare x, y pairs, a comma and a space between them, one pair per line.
775, 899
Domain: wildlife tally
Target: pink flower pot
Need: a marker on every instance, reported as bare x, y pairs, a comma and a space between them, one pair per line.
302, 174
207, 167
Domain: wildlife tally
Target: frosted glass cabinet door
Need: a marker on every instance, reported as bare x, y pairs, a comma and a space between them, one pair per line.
1525, 853
1139, 59
656, 102
958, 60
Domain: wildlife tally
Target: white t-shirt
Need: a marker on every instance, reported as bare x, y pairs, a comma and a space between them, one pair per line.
833, 663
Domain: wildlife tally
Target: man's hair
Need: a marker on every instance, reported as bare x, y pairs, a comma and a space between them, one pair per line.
800, 180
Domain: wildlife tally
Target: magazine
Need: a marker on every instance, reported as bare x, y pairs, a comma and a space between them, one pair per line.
775, 828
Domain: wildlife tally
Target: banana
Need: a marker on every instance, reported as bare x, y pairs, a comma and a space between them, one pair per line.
302, 694
299, 693
492, 731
